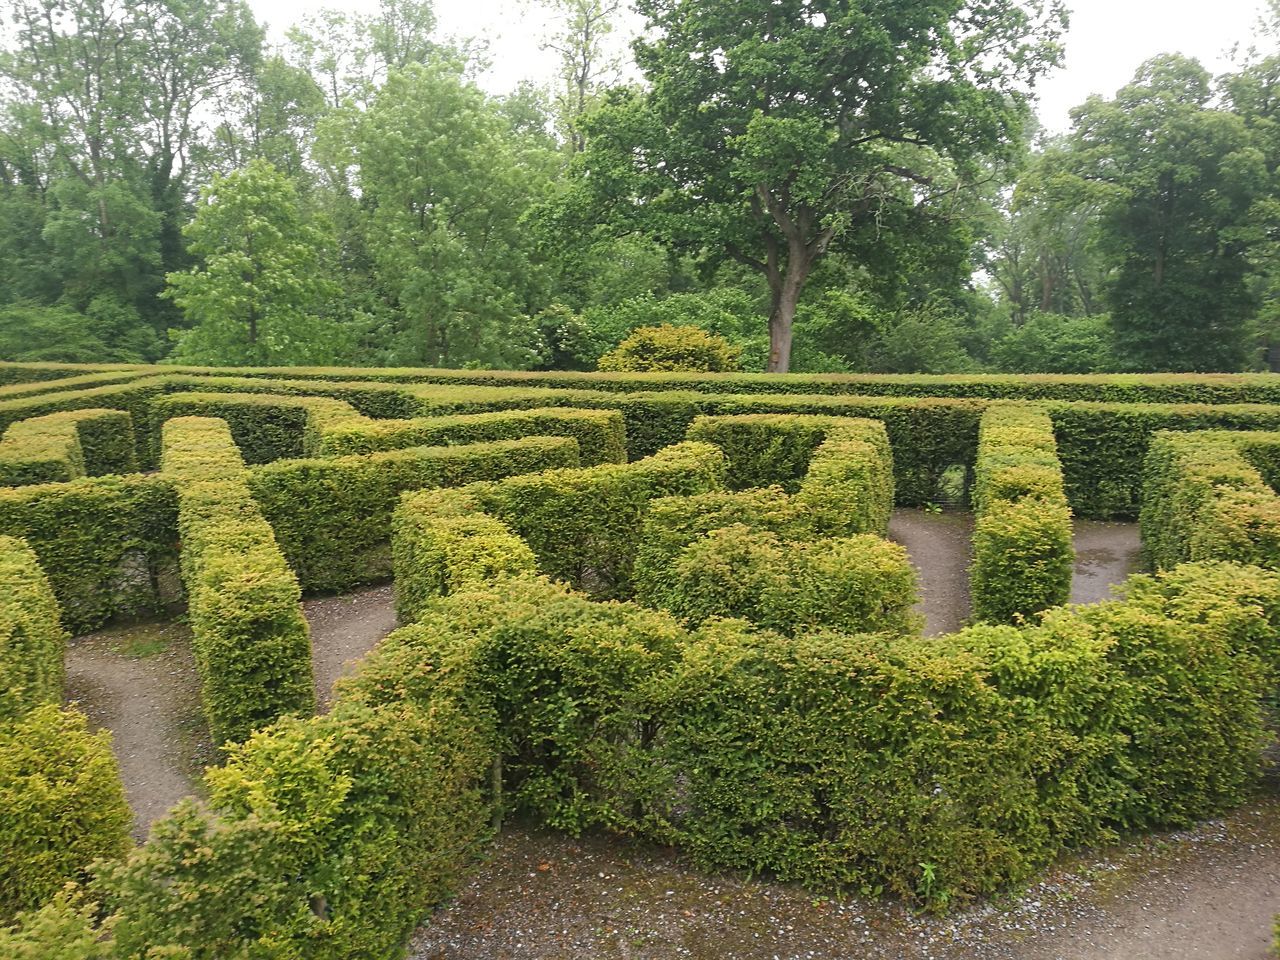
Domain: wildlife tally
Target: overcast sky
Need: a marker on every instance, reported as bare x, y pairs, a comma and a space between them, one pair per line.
1108, 39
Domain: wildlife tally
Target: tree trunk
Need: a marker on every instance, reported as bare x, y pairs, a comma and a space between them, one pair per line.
786, 288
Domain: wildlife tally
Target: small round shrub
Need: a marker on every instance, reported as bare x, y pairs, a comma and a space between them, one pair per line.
670, 349
63, 805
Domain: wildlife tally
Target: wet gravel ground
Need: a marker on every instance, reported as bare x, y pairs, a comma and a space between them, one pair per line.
1205, 893
940, 546
140, 683
343, 629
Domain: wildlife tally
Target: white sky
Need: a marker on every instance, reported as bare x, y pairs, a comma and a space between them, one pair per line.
1107, 41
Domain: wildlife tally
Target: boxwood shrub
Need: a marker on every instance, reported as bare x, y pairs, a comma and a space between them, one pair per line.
1204, 499
251, 642
583, 525
442, 544
32, 643
1023, 557
63, 804
855, 584
64, 446
332, 515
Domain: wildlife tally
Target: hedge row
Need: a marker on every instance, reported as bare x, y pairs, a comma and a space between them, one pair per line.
928, 768
31, 637
60, 792
1023, 556
1204, 499
1117, 388
251, 642
107, 544
583, 525
64, 446
332, 515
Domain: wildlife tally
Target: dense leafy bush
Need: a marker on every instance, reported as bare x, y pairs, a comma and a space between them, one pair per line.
63, 805
855, 584
1023, 557
668, 348
332, 515
64, 446
1204, 500
584, 525
107, 544
1052, 343
440, 545
31, 638
251, 642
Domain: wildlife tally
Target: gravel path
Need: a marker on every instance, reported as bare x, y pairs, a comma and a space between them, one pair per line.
940, 546
140, 683
1207, 894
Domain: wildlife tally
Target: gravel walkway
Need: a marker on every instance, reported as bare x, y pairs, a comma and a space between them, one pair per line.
1207, 894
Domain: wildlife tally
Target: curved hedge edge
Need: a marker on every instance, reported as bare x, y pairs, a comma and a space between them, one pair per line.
441, 542
1023, 553
32, 641
252, 644
1205, 499
63, 446
332, 516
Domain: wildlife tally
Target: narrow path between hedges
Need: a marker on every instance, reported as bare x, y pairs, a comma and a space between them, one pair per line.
1205, 894
940, 546
140, 683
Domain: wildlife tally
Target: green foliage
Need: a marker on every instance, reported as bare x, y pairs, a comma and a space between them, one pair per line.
31, 638
584, 525
259, 294
107, 544
669, 348
62, 929
332, 516
439, 546
67, 445
1023, 558
1052, 343
252, 645
63, 801
857, 584
1203, 499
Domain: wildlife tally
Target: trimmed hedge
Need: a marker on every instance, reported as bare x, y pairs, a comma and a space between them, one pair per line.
601, 434
584, 525
64, 446
107, 544
440, 544
860, 584
332, 516
929, 768
1204, 499
251, 642
63, 804
32, 642
265, 427
1023, 556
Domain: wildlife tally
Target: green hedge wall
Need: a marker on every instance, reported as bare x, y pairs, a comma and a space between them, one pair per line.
583, 525
63, 804
32, 642
601, 434
1116, 388
1203, 499
64, 446
441, 544
332, 516
251, 642
859, 584
107, 544
930, 768
1023, 556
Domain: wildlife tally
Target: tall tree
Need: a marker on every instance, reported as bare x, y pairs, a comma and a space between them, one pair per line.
587, 64
776, 132
1177, 179
258, 294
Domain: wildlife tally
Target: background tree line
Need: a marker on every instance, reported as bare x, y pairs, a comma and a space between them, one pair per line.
826, 185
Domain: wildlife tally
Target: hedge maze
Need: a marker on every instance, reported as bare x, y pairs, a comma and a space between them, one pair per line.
664, 606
